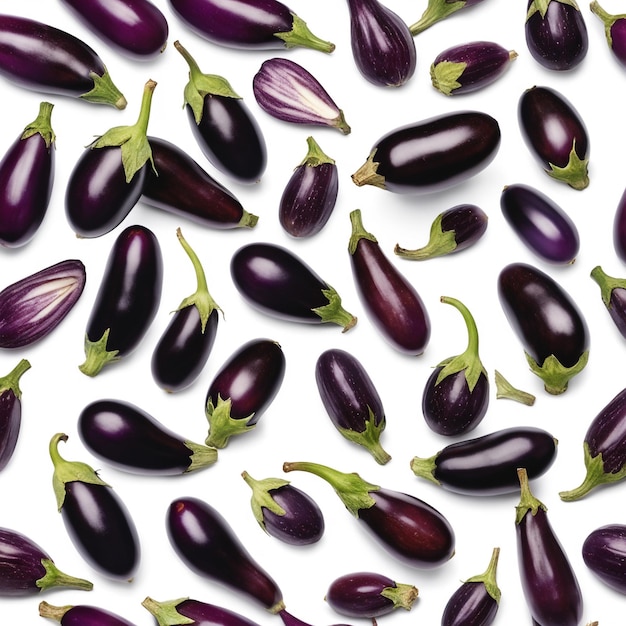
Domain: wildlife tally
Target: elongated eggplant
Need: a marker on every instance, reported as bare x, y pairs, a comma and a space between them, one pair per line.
438, 10
613, 294
82, 615
619, 228
43, 58
432, 154
243, 389
487, 465
406, 527
614, 30
548, 322
130, 439
604, 553
127, 300
11, 410
392, 302
32, 307
277, 282
97, 521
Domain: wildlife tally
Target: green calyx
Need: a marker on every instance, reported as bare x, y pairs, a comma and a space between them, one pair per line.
608, 19
315, 155
358, 231
262, 497
334, 312
54, 578
42, 125
607, 284
435, 11
527, 503
542, 7
301, 35
402, 595
575, 173
166, 613
445, 76
104, 91
504, 389
97, 355
425, 467
369, 438
556, 376
201, 456
11, 382
488, 578
440, 242
221, 425
368, 174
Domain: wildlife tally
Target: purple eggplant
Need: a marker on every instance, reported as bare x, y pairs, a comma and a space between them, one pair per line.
438, 10
613, 294
547, 321
43, 58
278, 283
95, 518
408, 528
26, 180
184, 347
556, 34
369, 595
614, 30
107, 180
127, 300
604, 553
243, 389
393, 303
82, 615
619, 228
549, 583
284, 511
555, 134
26, 569
32, 307
310, 195
131, 440
487, 465
468, 67
352, 400
432, 154
540, 223
11, 410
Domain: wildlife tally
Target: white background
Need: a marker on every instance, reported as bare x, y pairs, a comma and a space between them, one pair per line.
296, 426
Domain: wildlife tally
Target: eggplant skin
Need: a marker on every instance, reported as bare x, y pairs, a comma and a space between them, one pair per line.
82, 615
604, 553
470, 605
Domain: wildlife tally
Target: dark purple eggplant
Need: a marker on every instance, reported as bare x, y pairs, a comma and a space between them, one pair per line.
310, 195
135, 27
432, 154
487, 465
455, 398
107, 180
438, 10
278, 283
604, 553
43, 58
613, 294
547, 321
82, 615
32, 307
614, 30
127, 300
352, 400
243, 389
184, 347
11, 410
555, 134
556, 34
405, 526
619, 228
392, 302
130, 439
369, 595
549, 583
284, 511
26, 180
540, 223
95, 518
468, 67
26, 569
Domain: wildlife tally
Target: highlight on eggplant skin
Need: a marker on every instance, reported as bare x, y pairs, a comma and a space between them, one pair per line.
81, 615
11, 410
614, 30
613, 295
604, 553
619, 228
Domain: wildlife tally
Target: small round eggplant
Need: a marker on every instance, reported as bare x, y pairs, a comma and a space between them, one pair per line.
11, 410
613, 294
433, 154
96, 519
487, 465
394, 305
280, 284
604, 553
243, 389
614, 30
352, 400
284, 511
555, 134
438, 10
619, 228
130, 439
82, 615
547, 321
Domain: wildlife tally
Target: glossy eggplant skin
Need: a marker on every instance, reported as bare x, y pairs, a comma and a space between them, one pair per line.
198, 613
604, 553
11, 411
82, 615
619, 228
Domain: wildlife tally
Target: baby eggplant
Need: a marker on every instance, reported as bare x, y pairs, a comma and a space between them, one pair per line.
604, 553
11, 411
81, 615
614, 31
438, 10
613, 294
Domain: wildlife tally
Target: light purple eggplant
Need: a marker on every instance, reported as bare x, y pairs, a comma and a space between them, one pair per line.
614, 30
438, 10
11, 410
81, 615
613, 294
604, 553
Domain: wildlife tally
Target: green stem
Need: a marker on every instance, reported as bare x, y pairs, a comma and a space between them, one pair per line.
369, 437
53, 612
261, 496
315, 155
201, 456
425, 467
301, 35
488, 578
333, 312
358, 231
504, 389
166, 613
368, 174
42, 125
11, 381
402, 595
528, 502
606, 283
221, 425
97, 355
104, 91
436, 11
440, 242
54, 577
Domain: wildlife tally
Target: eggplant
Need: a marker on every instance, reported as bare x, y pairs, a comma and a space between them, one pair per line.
310, 195
504, 389
556, 34
279, 283
613, 294
455, 398
184, 347
548, 322
432, 154
549, 583
107, 180
284, 511
408, 528
95, 518
82, 615
352, 400
11, 410
26, 180
127, 300
487, 465
32, 307
619, 228
392, 302
555, 134
382, 45
131, 440
614, 30
43, 58
243, 389
438, 10
27, 569
604, 553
